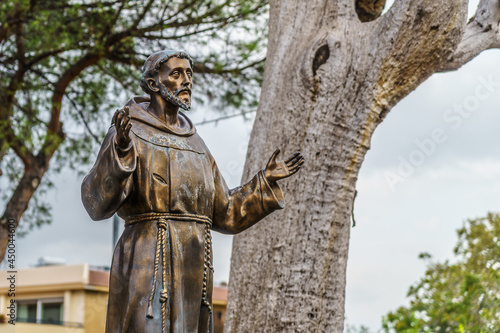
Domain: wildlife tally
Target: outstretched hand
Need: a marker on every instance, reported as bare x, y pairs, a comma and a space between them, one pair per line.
121, 119
278, 169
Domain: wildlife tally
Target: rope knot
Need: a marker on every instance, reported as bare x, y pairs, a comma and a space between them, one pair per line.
163, 296
162, 224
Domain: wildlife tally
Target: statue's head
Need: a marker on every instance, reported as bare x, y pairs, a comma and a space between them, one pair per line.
168, 73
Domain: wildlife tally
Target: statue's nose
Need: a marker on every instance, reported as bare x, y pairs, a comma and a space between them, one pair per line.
186, 81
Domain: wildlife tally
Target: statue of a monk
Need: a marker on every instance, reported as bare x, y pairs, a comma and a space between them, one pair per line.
155, 171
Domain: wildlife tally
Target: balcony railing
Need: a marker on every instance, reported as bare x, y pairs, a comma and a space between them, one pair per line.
48, 322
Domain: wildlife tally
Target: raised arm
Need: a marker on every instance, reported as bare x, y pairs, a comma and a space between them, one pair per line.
109, 183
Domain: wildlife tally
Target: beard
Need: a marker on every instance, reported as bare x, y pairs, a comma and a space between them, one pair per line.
173, 97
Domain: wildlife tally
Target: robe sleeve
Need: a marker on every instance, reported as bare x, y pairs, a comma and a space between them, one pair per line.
110, 182
238, 209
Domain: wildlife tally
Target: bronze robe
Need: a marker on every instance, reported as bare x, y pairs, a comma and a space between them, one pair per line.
168, 189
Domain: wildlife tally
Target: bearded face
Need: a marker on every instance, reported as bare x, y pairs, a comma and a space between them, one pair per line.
173, 96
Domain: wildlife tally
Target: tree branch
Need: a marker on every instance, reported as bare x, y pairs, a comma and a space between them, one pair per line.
95, 4
4, 29
115, 18
6, 104
416, 17
181, 9
51, 53
142, 15
205, 69
481, 33
85, 123
60, 88
131, 60
19, 148
20, 199
411, 41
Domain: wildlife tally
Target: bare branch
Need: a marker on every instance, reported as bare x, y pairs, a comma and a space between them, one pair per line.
415, 36
216, 120
204, 69
82, 117
482, 33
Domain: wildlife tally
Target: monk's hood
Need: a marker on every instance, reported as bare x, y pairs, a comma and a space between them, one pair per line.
138, 111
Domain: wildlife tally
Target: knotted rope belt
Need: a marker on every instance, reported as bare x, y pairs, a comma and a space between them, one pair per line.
162, 241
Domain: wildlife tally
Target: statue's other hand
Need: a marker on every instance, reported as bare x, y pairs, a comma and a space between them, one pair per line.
121, 119
279, 169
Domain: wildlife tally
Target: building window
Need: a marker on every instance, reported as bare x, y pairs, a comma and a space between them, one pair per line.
52, 313
41, 311
26, 311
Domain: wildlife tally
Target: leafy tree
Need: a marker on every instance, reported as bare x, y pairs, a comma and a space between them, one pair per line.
463, 296
67, 61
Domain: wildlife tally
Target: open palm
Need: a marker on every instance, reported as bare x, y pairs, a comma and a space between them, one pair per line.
121, 120
279, 169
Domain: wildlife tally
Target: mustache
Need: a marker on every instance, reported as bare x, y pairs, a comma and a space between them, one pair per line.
178, 91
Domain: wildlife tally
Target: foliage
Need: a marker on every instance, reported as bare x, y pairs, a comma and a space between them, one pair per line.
457, 297
73, 62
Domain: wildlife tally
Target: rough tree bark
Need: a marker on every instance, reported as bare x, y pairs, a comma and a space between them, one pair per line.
333, 71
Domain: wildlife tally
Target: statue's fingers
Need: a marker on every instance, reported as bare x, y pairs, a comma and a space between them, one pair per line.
296, 160
126, 111
297, 165
125, 122
293, 171
119, 119
127, 129
115, 116
292, 157
275, 154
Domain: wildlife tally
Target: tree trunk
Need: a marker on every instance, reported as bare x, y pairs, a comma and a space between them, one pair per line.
329, 81
18, 203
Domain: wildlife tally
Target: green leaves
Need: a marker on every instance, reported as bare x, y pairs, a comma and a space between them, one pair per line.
91, 52
459, 297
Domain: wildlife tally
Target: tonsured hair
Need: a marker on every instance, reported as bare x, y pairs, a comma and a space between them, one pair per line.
153, 64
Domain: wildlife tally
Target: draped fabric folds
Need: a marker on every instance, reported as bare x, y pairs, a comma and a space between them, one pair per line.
168, 188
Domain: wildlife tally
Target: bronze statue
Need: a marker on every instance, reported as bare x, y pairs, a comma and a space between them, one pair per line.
156, 172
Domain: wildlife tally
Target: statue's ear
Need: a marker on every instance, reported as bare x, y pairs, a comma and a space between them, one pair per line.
152, 85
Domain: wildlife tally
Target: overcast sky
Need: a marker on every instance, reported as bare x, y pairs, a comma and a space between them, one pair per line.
434, 162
